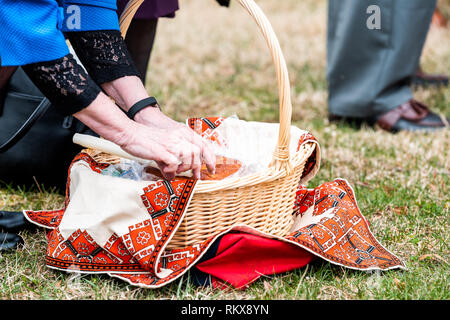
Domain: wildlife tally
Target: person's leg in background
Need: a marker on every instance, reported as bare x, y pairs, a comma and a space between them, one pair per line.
142, 31
140, 38
355, 58
371, 63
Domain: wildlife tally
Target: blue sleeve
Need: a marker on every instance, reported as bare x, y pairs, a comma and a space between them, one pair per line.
29, 32
32, 30
88, 15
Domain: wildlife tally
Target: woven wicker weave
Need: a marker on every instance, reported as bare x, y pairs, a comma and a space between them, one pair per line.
264, 200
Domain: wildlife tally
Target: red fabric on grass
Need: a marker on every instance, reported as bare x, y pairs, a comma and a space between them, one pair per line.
242, 258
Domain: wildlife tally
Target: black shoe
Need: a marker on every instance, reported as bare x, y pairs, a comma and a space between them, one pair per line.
9, 241
351, 121
11, 221
405, 125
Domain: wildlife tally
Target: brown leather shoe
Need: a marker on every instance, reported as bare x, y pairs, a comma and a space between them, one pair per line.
411, 116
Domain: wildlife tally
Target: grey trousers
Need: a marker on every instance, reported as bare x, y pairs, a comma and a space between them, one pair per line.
370, 61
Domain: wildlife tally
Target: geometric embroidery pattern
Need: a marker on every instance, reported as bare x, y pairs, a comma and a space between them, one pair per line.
135, 251
340, 233
205, 127
342, 236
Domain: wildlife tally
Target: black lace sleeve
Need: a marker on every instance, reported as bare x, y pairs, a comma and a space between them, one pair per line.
103, 53
65, 83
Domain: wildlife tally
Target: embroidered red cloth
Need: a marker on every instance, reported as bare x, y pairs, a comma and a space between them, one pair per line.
122, 228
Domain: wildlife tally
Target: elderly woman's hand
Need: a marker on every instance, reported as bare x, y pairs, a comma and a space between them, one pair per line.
168, 136
175, 147
154, 118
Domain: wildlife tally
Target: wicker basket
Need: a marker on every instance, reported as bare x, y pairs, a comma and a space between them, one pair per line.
264, 200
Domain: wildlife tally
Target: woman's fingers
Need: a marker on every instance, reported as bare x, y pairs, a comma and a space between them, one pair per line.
207, 154
168, 163
191, 159
209, 157
185, 158
170, 166
196, 161
176, 150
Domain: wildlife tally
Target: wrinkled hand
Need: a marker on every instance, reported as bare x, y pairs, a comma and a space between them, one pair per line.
174, 146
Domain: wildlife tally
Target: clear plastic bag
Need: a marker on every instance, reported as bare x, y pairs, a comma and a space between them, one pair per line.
251, 143
129, 169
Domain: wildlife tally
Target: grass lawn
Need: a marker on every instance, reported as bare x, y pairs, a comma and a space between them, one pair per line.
212, 61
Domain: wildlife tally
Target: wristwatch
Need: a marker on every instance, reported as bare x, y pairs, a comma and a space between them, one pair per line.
144, 103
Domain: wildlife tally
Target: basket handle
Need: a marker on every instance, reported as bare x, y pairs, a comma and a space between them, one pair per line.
281, 157
128, 14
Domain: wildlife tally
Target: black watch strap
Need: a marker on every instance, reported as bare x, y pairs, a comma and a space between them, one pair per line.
144, 103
